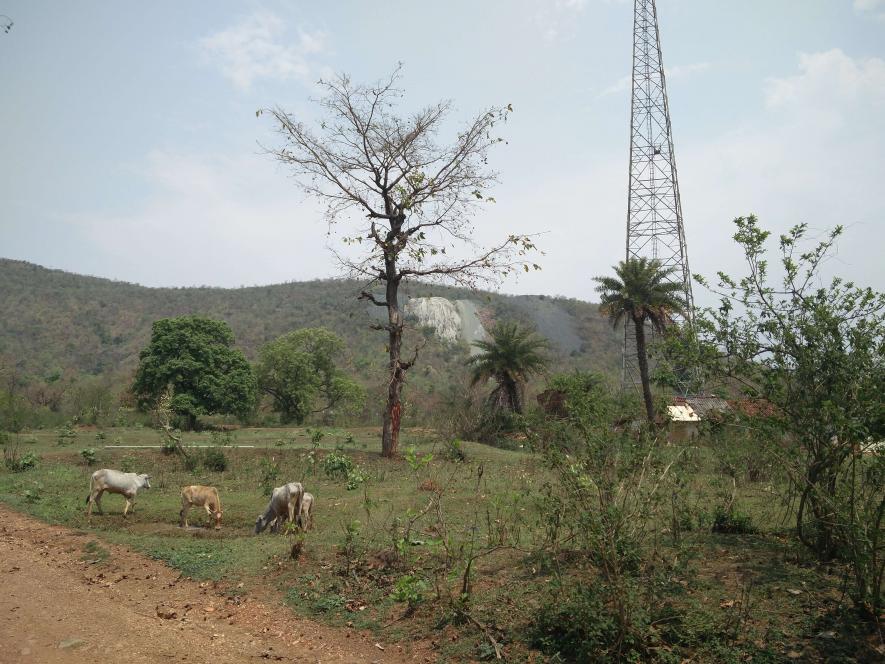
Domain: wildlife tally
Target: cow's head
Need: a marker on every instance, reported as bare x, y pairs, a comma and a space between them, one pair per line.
218, 520
145, 481
261, 523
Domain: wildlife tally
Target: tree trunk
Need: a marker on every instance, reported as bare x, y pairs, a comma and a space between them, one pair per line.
515, 392
396, 378
642, 359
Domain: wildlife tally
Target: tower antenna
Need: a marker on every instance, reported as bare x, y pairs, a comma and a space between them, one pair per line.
654, 209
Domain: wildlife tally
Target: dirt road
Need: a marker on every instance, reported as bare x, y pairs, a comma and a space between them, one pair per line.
57, 607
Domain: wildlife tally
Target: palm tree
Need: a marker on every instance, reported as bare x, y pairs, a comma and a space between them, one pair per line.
511, 357
642, 292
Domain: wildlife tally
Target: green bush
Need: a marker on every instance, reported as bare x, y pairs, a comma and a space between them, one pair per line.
732, 521
128, 463
337, 465
270, 474
88, 456
33, 494
454, 451
409, 589
576, 624
19, 464
215, 460
66, 435
170, 446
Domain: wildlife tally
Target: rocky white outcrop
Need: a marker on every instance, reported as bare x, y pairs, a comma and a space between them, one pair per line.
438, 313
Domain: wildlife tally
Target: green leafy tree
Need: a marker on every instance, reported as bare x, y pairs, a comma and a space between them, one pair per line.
641, 292
299, 371
403, 200
197, 358
512, 356
816, 354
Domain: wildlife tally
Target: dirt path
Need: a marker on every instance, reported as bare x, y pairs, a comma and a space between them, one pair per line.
56, 607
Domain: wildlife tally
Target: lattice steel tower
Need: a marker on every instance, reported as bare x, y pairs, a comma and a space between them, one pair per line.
654, 211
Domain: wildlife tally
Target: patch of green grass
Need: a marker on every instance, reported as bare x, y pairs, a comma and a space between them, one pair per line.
196, 559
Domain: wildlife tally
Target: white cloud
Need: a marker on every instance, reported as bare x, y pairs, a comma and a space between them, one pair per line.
255, 48
677, 72
875, 8
830, 86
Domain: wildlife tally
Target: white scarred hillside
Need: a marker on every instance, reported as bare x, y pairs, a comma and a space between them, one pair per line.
452, 321
438, 313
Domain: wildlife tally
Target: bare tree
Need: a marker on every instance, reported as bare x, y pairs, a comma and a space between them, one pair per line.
406, 200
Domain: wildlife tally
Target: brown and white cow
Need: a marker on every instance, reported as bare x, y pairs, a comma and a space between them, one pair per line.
200, 496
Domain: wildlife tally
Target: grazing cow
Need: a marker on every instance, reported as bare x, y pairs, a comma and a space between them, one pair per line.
115, 481
285, 503
200, 496
305, 514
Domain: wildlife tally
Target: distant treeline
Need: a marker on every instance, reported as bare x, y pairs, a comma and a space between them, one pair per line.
69, 343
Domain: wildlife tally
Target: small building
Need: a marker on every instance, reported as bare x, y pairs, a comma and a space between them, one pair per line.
685, 413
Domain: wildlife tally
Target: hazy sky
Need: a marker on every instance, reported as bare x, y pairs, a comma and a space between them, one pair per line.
130, 141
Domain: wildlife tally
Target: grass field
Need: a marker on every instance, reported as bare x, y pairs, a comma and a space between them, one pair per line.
373, 558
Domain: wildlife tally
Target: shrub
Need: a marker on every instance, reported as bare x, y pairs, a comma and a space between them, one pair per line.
731, 521
88, 456
34, 494
66, 435
127, 463
270, 473
577, 624
454, 451
355, 478
337, 465
19, 464
409, 589
215, 460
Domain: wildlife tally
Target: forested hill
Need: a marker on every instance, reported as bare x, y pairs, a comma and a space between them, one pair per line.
57, 321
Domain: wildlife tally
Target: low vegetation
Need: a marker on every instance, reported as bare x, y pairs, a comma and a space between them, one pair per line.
492, 547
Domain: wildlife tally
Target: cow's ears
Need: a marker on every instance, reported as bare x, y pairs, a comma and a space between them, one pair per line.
147, 477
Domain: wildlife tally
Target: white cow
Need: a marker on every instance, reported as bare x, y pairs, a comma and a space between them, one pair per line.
285, 503
305, 514
115, 481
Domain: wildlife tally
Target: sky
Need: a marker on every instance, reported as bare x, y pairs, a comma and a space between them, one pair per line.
132, 150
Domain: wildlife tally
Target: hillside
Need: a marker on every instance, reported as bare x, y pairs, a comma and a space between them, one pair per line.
56, 321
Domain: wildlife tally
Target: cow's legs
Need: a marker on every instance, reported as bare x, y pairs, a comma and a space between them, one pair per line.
277, 522
95, 500
185, 508
129, 506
